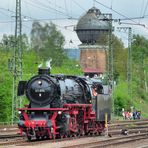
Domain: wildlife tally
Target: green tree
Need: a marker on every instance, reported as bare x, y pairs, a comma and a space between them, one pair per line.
139, 47
48, 42
119, 58
8, 42
140, 62
5, 87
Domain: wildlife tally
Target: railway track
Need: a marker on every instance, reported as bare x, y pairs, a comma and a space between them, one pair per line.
99, 142
136, 130
132, 127
110, 142
9, 132
9, 136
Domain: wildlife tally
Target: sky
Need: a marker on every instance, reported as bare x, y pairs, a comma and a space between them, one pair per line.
65, 14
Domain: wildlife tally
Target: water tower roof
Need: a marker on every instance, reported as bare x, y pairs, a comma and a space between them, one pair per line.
91, 24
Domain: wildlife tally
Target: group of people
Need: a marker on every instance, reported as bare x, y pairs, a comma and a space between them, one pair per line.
136, 115
131, 115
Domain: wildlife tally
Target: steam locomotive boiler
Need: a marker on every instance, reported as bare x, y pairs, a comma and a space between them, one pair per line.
63, 105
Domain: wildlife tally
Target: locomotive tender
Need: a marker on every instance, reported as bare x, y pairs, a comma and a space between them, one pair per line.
63, 105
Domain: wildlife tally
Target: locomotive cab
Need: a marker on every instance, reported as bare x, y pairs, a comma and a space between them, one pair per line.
101, 100
103, 104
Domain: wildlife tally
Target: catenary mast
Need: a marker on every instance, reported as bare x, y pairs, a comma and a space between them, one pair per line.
17, 60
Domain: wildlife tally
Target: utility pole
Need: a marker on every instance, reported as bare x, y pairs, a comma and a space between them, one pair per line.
129, 58
110, 52
129, 62
110, 62
17, 60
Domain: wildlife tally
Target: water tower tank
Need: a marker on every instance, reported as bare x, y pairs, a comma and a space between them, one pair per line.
91, 26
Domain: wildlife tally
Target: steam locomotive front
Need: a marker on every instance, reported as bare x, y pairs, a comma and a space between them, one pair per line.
41, 90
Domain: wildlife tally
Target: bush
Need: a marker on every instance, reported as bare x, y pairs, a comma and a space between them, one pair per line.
121, 97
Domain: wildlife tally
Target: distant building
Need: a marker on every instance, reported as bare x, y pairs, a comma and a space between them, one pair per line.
73, 53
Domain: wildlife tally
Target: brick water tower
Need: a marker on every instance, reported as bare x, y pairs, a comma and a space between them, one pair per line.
93, 31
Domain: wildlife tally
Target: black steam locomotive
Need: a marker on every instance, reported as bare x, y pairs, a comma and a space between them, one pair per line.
63, 105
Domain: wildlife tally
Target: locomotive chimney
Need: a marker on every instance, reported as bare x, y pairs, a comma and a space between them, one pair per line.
42, 71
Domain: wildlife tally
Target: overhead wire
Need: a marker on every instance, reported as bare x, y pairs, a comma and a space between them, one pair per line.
111, 4
59, 7
141, 12
65, 10
30, 19
79, 5
27, 7
13, 12
13, 21
65, 6
35, 5
47, 7
128, 18
4, 13
63, 27
145, 8
39, 20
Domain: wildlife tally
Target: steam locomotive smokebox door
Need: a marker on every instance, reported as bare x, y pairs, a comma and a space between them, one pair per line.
103, 106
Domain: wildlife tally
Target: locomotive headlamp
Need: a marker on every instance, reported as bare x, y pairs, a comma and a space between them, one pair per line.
19, 112
59, 112
40, 95
40, 82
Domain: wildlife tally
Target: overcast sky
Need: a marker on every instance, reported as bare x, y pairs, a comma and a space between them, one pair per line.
60, 12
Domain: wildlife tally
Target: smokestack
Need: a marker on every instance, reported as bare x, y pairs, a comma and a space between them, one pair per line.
43, 71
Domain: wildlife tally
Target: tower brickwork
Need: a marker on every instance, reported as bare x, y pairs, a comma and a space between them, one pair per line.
93, 58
